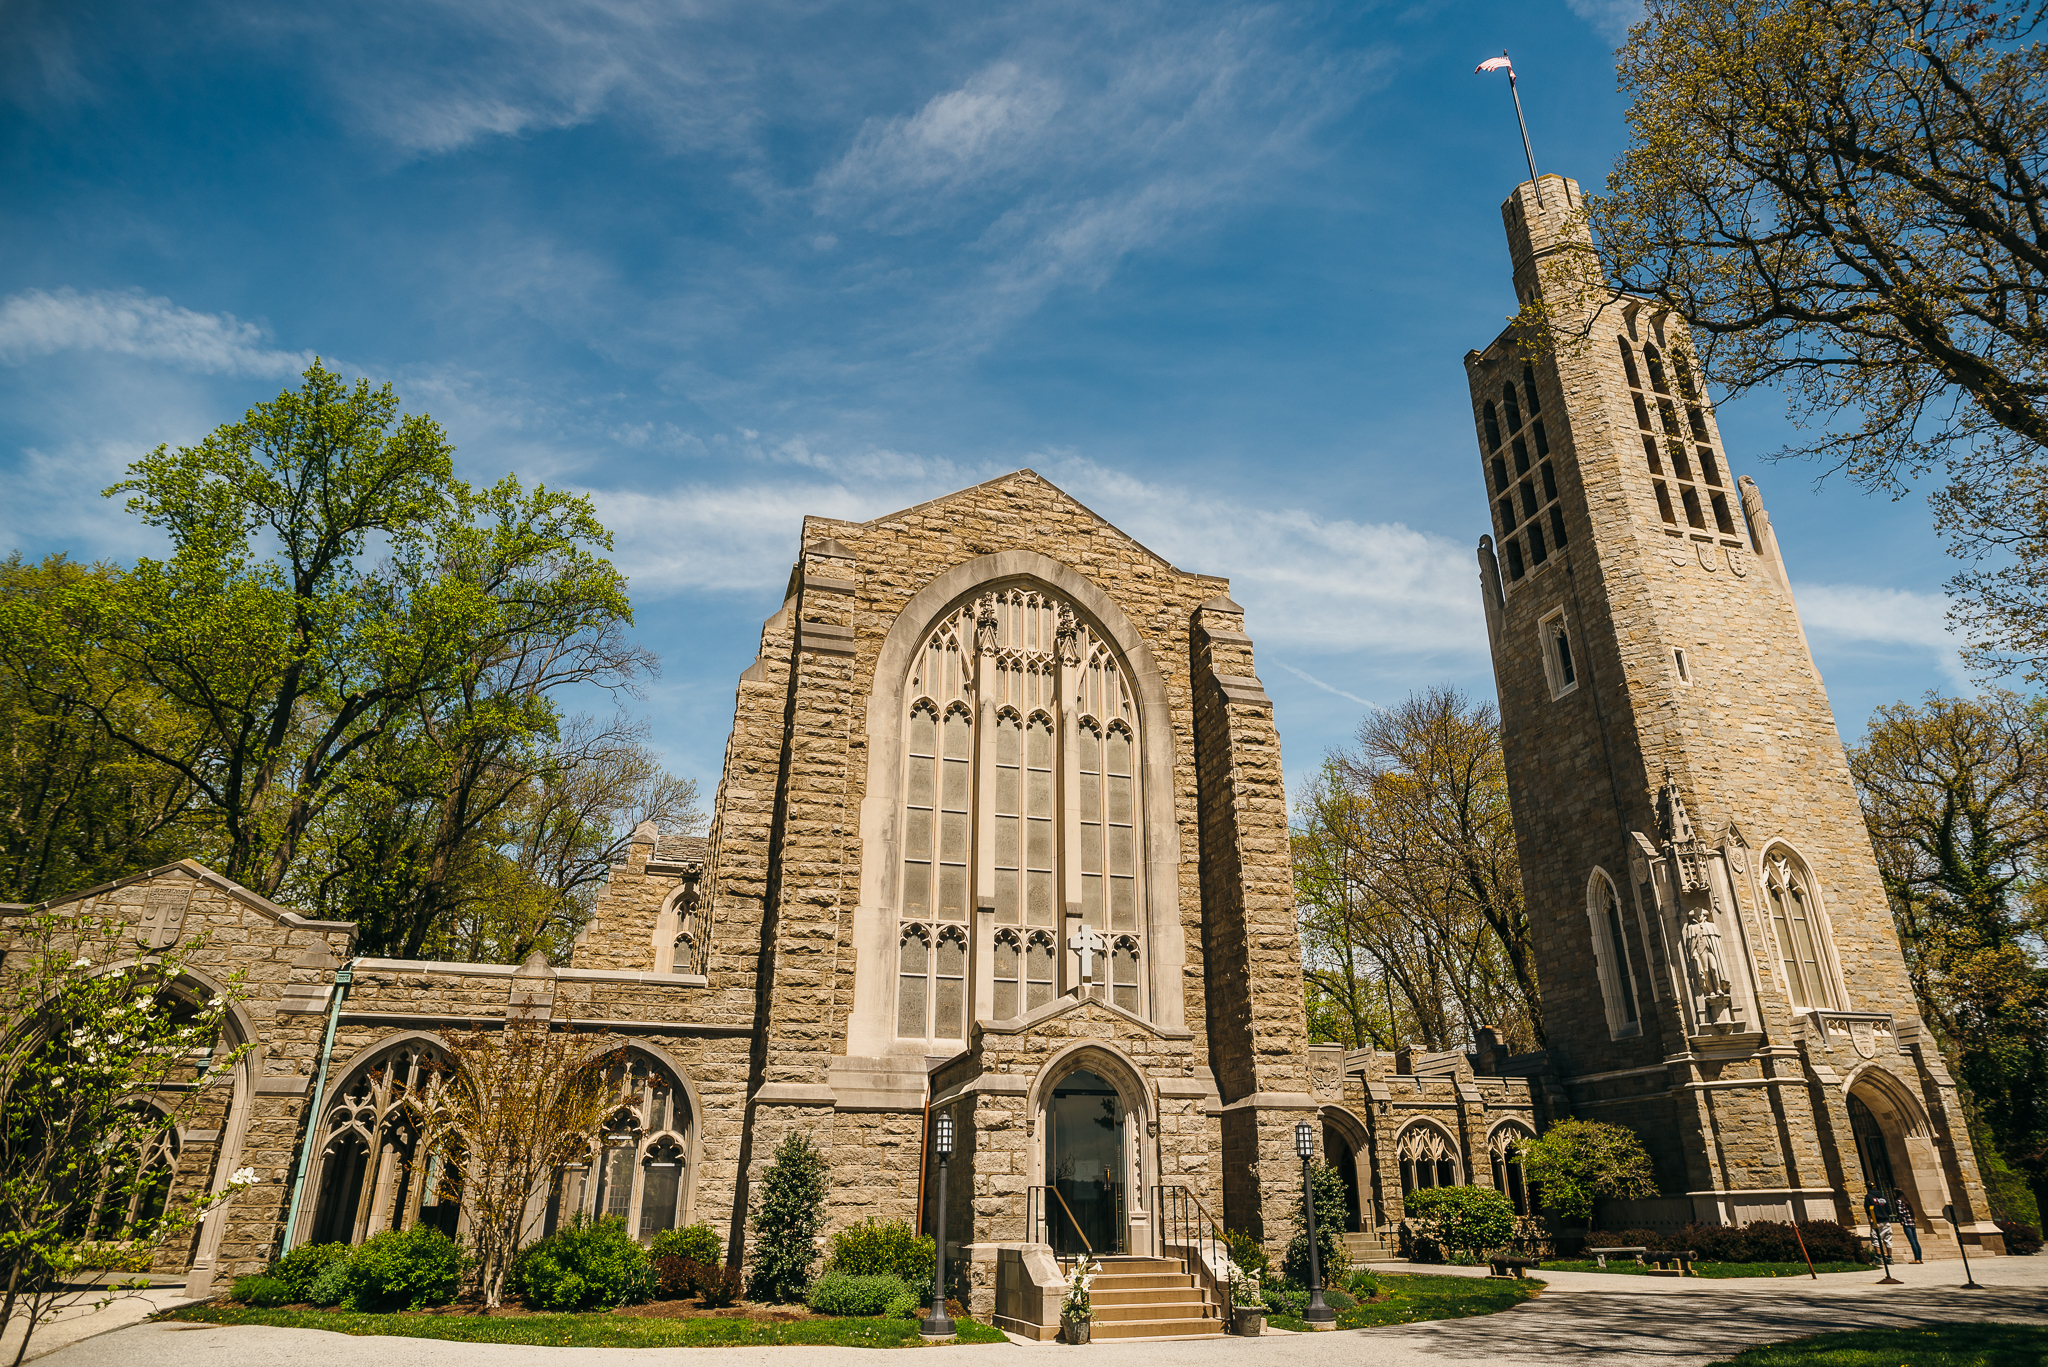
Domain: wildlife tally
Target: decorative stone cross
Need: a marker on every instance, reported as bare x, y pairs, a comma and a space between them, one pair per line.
1087, 942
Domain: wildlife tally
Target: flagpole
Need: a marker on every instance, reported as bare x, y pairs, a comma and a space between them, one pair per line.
1523, 124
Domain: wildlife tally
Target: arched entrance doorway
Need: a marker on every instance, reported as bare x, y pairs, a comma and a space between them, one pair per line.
1085, 1122
1873, 1152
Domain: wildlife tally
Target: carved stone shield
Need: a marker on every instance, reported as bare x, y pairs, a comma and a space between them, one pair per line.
1710, 556
1738, 564
163, 916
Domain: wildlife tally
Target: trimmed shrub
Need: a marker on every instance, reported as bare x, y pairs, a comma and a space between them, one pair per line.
299, 1268
331, 1286
788, 1217
2023, 1240
1250, 1255
908, 1306
678, 1279
1470, 1220
837, 1293
699, 1241
885, 1248
1577, 1162
408, 1269
585, 1265
261, 1289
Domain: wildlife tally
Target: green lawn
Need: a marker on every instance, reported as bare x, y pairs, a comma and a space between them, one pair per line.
1409, 1298
596, 1330
1941, 1345
1622, 1267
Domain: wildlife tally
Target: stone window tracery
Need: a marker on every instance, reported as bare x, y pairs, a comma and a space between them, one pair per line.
637, 1169
1618, 986
370, 1176
137, 1181
1506, 1146
1531, 522
1020, 794
1799, 927
1700, 495
1428, 1157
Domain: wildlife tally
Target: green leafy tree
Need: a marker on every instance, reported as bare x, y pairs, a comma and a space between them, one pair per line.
1474, 1220
102, 1057
1955, 793
77, 808
789, 1214
1578, 1162
1845, 198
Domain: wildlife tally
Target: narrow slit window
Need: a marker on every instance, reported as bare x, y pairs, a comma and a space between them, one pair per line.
1521, 457
1008, 973
1721, 518
1509, 408
1508, 520
919, 817
1642, 412
1039, 909
1617, 943
1492, 430
1664, 501
1529, 504
1628, 364
955, 783
1684, 668
1542, 439
1500, 475
1538, 552
1684, 369
1668, 417
1557, 526
1656, 369
1091, 827
1559, 666
1007, 863
1679, 463
1709, 467
1650, 454
1529, 390
1513, 546
1697, 421
1549, 482
1119, 808
1693, 514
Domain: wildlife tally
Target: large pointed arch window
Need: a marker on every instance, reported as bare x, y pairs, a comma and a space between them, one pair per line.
1618, 985
1021, 794
1799, 927
637, 1169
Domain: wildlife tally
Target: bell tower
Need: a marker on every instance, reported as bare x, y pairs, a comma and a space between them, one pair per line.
1719, 967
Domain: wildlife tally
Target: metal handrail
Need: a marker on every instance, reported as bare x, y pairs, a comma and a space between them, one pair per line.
1179, 1228
1032, 1220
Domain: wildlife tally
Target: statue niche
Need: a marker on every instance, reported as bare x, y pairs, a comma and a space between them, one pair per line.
1686, 880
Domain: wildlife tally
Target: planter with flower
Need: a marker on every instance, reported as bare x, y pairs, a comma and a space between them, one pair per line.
1075, 1311
1247, 1304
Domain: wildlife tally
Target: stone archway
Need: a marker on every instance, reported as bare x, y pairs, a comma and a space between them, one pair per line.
1091, 1153
1347, 1147
1894, 1150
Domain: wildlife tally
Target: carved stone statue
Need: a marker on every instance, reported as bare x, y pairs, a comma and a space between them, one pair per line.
1703, 952
985, 625
1068, 637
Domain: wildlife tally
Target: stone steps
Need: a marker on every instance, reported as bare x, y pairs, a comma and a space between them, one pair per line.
1140, 1298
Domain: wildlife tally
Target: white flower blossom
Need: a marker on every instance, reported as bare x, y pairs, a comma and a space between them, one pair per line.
81, 963
243, 1177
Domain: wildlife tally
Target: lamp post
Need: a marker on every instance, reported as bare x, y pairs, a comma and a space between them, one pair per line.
1969, 1279
1318, 1315
938, 1324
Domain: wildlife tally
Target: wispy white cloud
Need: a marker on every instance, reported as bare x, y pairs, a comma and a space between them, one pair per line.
990, 124
130, 323
1307, 677
1610, 18
1859, 616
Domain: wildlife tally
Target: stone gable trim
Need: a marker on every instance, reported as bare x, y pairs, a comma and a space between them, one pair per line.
192, 868
1053, 1010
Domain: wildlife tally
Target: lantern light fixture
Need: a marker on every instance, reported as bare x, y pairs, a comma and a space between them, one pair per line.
943, 1142
1304, 1141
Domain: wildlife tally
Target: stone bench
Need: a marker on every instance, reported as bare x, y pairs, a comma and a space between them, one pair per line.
1516, 1268
1670, 1262
1600, 1254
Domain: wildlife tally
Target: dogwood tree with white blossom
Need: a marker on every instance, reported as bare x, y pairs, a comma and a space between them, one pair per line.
104, 1052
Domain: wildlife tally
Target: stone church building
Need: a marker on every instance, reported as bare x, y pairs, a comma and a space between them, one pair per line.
1002, 835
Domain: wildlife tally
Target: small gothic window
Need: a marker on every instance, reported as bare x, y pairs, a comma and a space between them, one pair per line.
1708, 466
1508, 1178
1684, 668
1542, 439
1529, 389
1684, 369
1041, 959
1557, 526
1427, 1157
1529, 503
913, 970
1557, 654
1508, 520
1549, 482
1697, 421
1521, 457
1795, 922
1513, 546
1642, 412
1722, 519
1492, 430
1538, 552
1008, 973
1611, 956
949, 985
1510, 407
1679, 462
1650, 454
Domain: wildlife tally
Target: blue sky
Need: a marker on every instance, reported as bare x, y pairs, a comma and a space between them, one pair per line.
1210, 267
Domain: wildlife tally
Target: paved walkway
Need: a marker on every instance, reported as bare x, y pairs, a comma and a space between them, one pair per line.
1580, 1318
85, 1318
